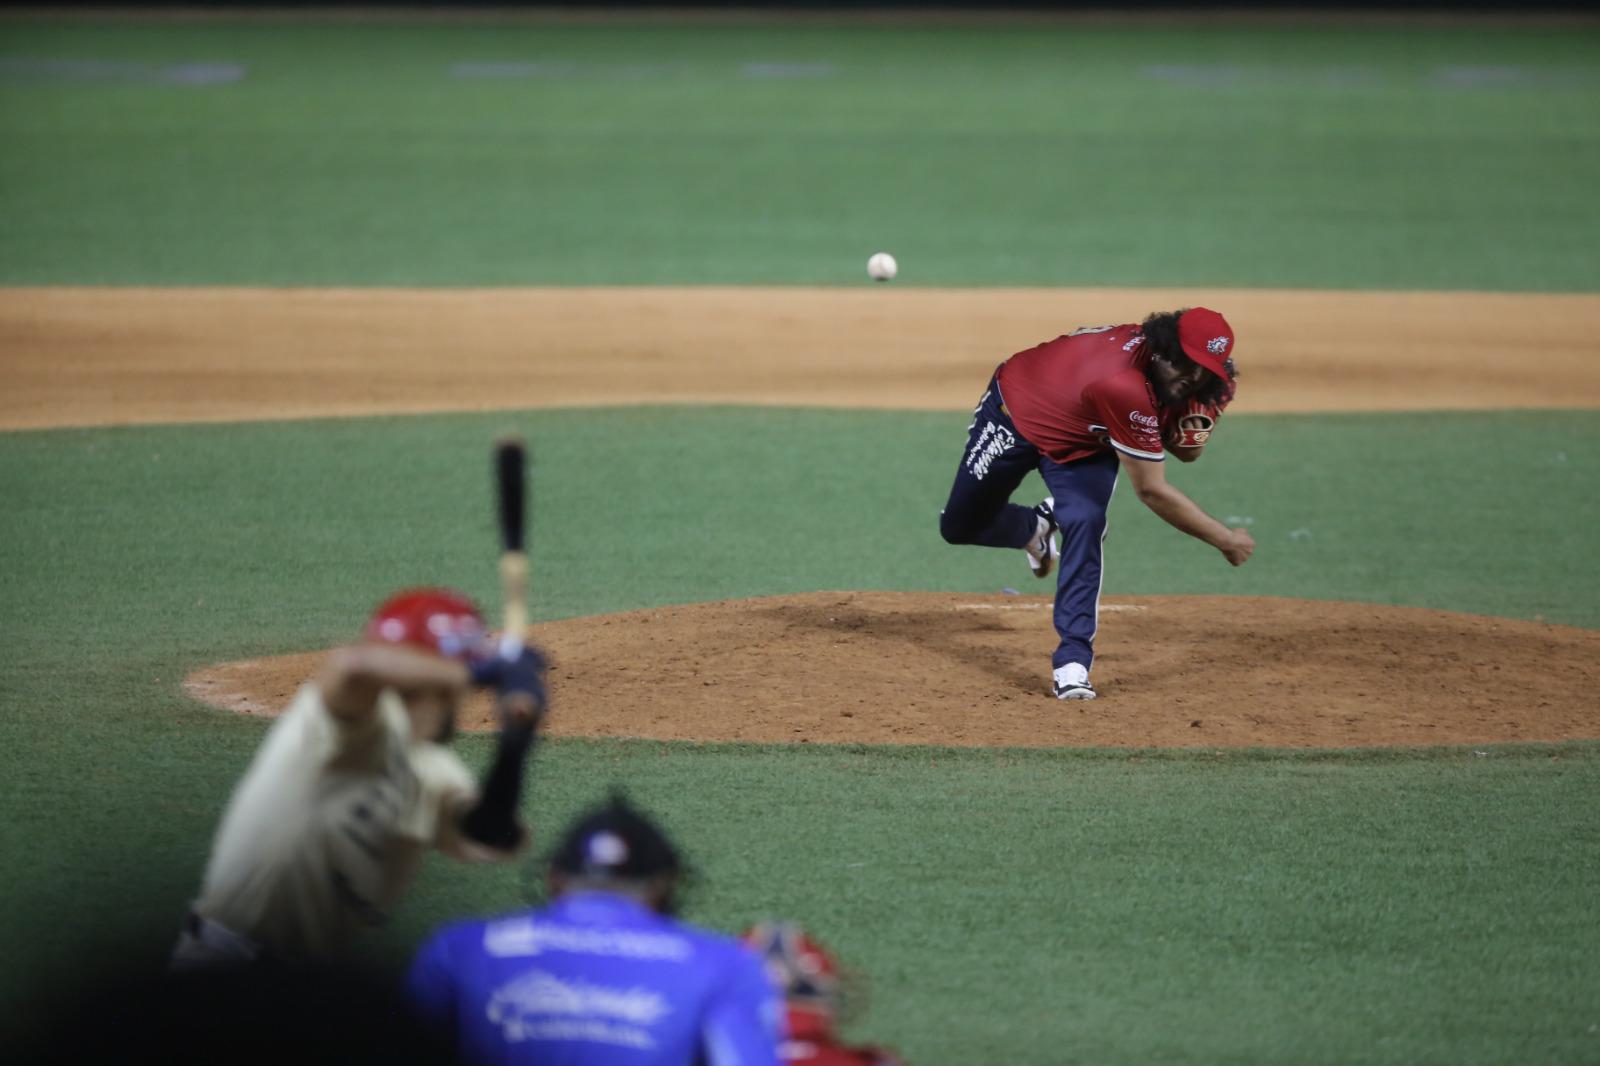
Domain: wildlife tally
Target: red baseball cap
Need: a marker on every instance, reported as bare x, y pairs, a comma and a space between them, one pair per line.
1207, 338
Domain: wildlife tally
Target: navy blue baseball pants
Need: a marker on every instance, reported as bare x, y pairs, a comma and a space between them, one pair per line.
980, 511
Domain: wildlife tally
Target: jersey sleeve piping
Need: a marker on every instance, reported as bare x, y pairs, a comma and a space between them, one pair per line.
1149, 457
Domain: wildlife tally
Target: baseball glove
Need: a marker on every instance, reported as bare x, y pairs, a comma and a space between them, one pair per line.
1191, 425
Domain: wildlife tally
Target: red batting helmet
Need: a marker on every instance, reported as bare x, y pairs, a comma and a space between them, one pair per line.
442, 621
800, 967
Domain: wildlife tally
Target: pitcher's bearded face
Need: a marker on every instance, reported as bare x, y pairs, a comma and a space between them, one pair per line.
1173, 386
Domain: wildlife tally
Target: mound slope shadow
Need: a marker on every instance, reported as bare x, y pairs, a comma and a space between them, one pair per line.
972, 670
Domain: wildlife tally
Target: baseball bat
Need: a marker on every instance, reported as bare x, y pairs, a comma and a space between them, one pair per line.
511, 489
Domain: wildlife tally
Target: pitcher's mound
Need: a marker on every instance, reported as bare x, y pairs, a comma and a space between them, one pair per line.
973, 670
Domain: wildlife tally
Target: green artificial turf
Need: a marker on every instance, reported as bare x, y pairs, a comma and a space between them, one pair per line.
1026, 906
428, 152
1047, 907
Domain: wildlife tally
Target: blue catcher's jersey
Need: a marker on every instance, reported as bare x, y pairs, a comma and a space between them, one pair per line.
596, 979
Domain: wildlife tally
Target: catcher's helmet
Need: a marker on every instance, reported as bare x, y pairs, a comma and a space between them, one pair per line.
439, 620
801, 968
616, 841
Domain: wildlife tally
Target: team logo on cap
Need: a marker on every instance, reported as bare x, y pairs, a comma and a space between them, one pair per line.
607, 849
1218, 345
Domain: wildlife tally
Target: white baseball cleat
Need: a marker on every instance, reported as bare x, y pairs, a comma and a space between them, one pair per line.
1072, 683
1043, 550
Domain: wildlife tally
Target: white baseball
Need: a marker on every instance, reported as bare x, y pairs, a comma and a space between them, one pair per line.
882, 267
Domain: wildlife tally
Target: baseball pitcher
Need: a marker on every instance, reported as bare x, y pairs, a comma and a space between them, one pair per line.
1080, 409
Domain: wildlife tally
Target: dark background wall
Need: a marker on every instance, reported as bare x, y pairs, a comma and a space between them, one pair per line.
1499, 7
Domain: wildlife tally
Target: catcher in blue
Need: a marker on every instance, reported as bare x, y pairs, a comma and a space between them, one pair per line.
1080, 409
603, 976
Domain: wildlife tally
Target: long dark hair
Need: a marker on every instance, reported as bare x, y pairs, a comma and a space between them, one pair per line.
1161, 334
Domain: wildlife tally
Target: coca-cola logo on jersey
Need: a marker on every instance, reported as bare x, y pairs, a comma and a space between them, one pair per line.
1139, 418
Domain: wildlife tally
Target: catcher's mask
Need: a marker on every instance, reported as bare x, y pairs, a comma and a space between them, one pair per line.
801, 968
439, 620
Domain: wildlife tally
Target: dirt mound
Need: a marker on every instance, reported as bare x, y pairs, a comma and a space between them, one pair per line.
973, 670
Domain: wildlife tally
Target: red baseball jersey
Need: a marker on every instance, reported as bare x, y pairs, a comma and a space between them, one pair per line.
1079, 394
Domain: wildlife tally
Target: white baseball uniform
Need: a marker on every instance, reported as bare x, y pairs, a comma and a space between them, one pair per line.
324, 832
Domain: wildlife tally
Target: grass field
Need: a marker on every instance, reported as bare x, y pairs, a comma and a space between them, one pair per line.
608, 154
1021, 906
